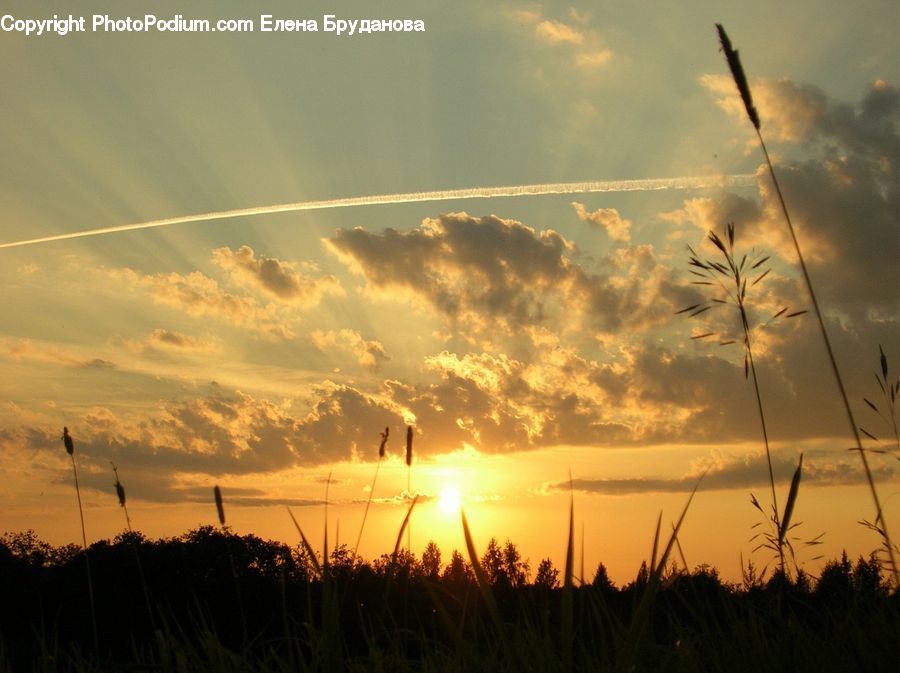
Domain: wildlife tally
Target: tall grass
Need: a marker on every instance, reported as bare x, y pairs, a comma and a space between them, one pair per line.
409, 457
731, 280
740, 80
120, 493
239, 599
887, 412
381, 451
69, 443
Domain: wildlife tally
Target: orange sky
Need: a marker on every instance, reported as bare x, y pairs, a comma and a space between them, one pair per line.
525, 338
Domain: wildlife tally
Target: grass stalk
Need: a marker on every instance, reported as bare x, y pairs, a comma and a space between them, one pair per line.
714, 273
381, 451
70, 449
409, 454
567, 617
120, 493
220, 509
740, 80
762, 422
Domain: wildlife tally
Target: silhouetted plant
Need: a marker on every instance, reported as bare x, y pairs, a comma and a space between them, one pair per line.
730, 280
547, 575
69, 443
740, 79
431, 560
120, 494
889, 410
381, 452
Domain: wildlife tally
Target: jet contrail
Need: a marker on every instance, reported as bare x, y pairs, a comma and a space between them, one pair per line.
639, 185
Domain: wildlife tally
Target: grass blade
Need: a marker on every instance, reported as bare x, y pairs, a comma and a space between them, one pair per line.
481, 579
791, 501
567, 617
306, 546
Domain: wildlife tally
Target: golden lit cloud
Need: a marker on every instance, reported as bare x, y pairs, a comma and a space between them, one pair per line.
199, 295
367, 353
608, 219
27, 349
581, 45
556, 32
276, 278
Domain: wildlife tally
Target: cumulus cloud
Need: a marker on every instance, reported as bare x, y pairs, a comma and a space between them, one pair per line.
488, 273
201, 296
368, 353
217, 434
276, 278
844, 196
608, 219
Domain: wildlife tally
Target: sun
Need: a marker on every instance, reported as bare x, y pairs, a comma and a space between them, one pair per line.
449, 500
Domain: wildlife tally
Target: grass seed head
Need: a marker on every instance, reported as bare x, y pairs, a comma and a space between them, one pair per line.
791, 501
220, 508
409, 445
68, 441
120, 490
384, 438
737, 72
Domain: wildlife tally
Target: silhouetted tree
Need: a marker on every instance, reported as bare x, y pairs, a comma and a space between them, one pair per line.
514, 567
867, 578
458, 570
547, 575
492, 562
431, 560
836, 580
601, 580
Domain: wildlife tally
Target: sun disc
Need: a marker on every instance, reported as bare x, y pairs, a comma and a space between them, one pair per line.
449, 500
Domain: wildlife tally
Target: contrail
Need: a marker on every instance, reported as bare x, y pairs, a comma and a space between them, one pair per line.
639, 185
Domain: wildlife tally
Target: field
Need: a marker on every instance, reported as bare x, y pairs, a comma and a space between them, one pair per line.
213, 601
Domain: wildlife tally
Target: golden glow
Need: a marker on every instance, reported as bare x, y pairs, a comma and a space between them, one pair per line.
450, 500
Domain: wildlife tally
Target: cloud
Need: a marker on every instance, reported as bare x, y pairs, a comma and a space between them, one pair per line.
162, 338
745, 472
608, 219
26, 349
791, 111
199, 295
557, 32
843, 192
278, 279
487, 274
219, 434
581, 45
368, 353
163, 341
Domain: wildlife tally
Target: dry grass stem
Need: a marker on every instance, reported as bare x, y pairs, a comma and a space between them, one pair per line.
740, 80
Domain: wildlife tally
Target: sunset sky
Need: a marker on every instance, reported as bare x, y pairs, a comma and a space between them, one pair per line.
525, 338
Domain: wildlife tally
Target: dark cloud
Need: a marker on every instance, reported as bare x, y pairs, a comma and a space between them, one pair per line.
99, 363
749, 472
489, 274
844, 196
